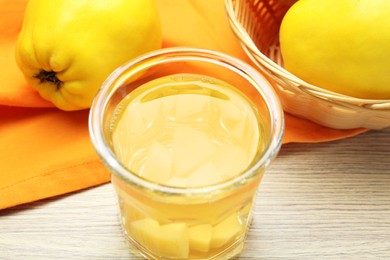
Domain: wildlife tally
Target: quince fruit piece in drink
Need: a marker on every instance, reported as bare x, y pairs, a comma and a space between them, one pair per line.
174, 241
200, 237
339, 45
191, 148
207, 174
231, 160
226, 231
157, 165
144, 231
170, 240
66, 49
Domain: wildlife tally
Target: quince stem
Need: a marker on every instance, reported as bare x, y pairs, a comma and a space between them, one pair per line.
49, 76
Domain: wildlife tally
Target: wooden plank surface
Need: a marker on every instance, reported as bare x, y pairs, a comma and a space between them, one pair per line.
317, 201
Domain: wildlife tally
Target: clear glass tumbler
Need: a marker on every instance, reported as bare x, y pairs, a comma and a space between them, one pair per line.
194, 215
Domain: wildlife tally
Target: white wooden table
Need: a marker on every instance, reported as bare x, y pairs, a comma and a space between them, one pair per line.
317, 201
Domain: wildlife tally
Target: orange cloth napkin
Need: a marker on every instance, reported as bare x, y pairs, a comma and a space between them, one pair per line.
46, 152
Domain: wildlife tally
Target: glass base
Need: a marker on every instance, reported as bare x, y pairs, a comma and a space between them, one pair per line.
228, 253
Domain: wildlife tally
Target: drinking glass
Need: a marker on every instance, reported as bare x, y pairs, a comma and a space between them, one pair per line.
186, 221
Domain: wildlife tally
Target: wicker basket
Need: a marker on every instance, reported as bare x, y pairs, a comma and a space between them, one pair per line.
256, 24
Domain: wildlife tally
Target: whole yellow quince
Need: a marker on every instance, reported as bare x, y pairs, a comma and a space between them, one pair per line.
339, 45
67, 48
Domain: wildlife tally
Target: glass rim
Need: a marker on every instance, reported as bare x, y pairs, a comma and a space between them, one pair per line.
258, 81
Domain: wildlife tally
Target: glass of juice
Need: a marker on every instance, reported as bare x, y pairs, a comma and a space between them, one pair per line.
187, 135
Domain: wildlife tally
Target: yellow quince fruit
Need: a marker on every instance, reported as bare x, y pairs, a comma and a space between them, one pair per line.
67, 48
339, 45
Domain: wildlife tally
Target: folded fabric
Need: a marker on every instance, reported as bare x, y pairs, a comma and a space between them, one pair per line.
46, 152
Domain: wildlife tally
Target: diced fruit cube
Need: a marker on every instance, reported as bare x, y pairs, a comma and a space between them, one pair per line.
132, 121
247, 136
151, 111
232, 118
170, 240
190, 105
206, 174
225, 231
146, 232
230, 160
227, 109
191, 148
200, 237
174, 240
237, 121
241, 130
125, 132
158, 163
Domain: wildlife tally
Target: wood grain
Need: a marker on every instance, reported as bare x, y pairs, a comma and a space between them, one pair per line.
317, 201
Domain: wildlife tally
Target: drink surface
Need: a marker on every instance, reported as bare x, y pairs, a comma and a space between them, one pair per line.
186, 130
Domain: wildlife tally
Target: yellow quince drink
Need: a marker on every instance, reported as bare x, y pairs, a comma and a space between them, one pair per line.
186, 133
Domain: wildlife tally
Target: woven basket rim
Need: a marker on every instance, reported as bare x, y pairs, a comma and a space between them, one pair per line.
300, 85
